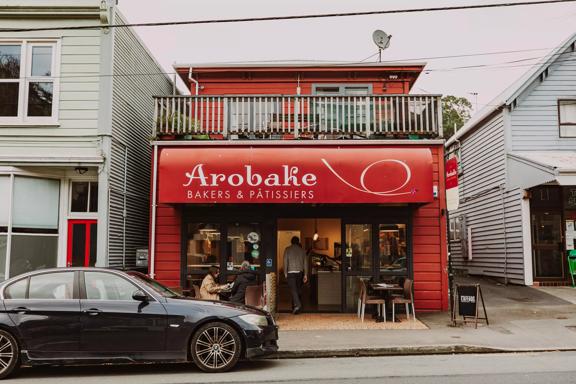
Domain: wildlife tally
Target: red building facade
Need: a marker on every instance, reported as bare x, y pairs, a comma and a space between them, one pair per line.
341, 156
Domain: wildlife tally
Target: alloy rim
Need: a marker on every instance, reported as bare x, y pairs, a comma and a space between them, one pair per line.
6, 353
215, 347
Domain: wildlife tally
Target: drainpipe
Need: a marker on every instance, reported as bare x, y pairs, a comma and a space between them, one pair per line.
153, 230
502, 193
193, 80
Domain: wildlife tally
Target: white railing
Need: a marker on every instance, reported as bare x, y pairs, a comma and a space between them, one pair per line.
269, 116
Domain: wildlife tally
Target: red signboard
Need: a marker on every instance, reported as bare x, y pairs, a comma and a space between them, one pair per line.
451, 173
294, 175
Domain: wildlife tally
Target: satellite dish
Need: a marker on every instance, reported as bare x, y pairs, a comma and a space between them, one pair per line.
381, 39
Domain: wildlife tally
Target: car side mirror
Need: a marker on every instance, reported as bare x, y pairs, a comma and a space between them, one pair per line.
140, 296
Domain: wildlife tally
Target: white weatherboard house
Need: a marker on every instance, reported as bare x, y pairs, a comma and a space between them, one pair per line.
74, 131
517, 171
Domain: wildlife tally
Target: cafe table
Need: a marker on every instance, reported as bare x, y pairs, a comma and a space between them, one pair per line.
386, 290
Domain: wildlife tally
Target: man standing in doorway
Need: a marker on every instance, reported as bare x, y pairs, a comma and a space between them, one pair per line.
295, 271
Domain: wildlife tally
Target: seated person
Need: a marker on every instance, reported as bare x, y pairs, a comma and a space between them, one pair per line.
210, 289
244, 279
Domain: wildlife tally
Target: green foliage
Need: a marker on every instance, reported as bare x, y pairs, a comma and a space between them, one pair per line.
167, 120
455, 113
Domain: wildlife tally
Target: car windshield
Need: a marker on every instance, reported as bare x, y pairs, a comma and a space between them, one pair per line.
156, 286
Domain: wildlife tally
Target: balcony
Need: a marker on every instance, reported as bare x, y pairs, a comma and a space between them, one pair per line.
290, 117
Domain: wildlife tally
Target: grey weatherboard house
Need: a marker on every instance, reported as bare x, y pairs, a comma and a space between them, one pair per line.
75, 113
517, 176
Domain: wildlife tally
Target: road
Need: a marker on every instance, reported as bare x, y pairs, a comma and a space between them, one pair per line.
524, 368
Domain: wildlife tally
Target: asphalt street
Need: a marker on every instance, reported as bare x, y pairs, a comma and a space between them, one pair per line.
524, 368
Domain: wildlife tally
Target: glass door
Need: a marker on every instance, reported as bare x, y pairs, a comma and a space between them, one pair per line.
547, 244
358, 252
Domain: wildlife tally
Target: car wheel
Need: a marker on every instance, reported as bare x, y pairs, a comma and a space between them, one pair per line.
9, 354
216, 347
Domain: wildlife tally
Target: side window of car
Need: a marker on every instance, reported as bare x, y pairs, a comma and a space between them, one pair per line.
55, 286
107, 286
17, 290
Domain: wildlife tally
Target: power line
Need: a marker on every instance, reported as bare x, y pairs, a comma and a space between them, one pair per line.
292, 17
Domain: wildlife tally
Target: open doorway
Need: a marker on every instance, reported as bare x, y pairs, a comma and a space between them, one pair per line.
323, 291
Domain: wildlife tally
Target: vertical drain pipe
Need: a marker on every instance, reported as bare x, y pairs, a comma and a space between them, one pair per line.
502, 193
153, 230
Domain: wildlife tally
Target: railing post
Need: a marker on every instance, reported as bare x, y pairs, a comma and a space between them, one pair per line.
225, 118
367, 117
296, 117
439, 112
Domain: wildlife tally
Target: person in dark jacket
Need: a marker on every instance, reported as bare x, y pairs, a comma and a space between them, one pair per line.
246, 278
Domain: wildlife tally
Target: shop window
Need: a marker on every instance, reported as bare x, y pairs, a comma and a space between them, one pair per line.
36, 203
455, 227
34, 226
3, 254
84, 197
28, 78
244, 243
392, 249
567, 117
4, 198
203, 246
359, 246
32, 252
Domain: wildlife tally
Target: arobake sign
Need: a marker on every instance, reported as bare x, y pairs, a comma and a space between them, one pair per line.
295, 175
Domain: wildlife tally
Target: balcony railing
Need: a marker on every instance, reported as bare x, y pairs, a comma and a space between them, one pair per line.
266, 116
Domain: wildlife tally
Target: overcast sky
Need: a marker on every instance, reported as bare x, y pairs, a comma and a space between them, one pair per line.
419, 36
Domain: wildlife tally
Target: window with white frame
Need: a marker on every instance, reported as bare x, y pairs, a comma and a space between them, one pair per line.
455, 228
28, 81
28, 224
84, 197
567, 117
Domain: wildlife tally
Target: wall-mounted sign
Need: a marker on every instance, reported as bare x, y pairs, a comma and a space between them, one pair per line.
452, 197
253, 237
570, 235
295, 175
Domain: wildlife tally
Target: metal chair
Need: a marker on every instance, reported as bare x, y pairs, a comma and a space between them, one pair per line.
365, 299
407, 299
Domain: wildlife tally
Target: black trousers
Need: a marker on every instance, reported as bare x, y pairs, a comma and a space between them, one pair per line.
295, 283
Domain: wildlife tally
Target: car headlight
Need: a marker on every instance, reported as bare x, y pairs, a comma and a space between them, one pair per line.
258, 320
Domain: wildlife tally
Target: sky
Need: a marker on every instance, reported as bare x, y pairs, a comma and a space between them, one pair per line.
421, 37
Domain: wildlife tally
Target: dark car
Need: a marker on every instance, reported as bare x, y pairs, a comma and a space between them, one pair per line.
93, 315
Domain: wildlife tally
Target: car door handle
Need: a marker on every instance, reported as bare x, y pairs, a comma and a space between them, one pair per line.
20, 310
92, 311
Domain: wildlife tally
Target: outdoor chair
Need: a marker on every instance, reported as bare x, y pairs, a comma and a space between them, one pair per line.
365, 299
407, 299
253, 295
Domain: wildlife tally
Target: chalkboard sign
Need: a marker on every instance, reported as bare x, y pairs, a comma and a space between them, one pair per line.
467, 300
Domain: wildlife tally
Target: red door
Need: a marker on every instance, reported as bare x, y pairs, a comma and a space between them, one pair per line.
82, 239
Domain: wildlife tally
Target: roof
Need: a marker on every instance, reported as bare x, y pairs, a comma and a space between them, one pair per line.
511, 93
560, 161
298, 64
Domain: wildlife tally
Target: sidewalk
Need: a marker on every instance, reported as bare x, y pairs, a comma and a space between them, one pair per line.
522, 319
